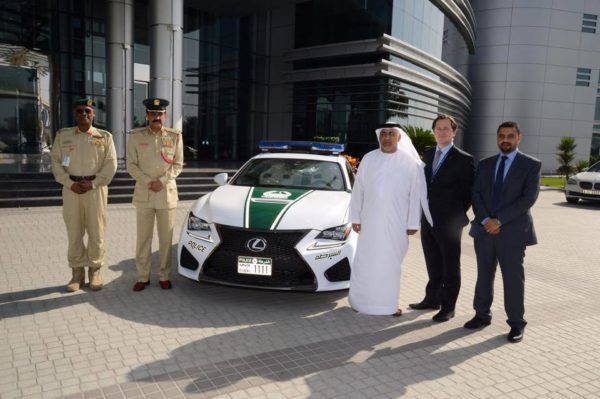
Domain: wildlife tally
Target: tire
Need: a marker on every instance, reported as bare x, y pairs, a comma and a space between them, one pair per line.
572, 200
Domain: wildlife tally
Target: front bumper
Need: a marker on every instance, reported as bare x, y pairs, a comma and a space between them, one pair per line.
299, 261
583, 190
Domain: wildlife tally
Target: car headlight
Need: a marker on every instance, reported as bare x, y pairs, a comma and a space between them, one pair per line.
339, 233
572, 180
197, 224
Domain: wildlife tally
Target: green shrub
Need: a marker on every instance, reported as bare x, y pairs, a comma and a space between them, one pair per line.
421, 138
566, 155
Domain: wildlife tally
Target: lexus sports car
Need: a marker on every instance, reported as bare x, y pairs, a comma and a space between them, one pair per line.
281, 222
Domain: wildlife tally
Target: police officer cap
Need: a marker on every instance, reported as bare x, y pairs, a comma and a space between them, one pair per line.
156, 104
84, 101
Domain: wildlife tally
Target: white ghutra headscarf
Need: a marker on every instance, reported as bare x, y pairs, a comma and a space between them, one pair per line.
406, 146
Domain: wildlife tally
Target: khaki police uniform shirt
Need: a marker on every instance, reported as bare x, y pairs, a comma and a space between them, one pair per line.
88, 153
155, 156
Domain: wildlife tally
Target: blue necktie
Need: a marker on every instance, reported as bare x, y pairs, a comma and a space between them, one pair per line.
436, 162
498, 185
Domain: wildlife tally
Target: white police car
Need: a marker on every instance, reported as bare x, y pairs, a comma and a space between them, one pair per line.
584, 185
281, 222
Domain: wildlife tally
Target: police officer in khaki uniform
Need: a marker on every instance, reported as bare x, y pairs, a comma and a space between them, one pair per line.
84, 161
154, 160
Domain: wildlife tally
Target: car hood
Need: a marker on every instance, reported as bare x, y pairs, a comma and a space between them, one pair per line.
588, 176
274, 208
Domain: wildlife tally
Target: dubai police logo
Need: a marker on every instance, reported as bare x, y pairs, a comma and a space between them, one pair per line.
276, 195
89, 102
156, 102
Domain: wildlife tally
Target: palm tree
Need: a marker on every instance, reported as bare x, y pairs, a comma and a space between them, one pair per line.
566, 155
421, 138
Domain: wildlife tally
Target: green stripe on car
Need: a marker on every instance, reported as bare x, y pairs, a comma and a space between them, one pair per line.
266, 206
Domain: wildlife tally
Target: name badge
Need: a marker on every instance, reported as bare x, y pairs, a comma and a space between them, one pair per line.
66, 160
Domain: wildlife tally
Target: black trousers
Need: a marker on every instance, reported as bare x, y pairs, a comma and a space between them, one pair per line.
441, 248
491, 251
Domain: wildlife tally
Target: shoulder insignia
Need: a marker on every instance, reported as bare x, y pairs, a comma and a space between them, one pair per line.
137, 130
65, 130
104, 132
172, 130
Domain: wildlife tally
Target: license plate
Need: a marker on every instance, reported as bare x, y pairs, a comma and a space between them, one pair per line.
254, 265
592, 192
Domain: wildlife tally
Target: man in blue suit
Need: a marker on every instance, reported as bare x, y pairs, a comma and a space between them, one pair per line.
506, 187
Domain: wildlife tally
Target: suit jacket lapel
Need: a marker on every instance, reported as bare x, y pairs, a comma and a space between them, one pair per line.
428, 158
491, 177
447, 158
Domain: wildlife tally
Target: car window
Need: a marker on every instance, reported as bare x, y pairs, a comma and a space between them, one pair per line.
294, 173
595, 167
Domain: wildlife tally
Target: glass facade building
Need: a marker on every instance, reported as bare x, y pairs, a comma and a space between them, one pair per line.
50, 53
317, 69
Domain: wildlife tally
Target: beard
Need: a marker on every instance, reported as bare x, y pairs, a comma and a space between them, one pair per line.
506, 148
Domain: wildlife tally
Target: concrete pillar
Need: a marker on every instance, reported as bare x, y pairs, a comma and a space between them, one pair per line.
119, 73
166, 56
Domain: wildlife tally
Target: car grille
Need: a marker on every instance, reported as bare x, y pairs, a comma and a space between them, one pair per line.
339, 272
289, 269
586, 185
597, 186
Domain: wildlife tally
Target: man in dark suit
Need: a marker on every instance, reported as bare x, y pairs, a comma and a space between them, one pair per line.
506, 187
449, 172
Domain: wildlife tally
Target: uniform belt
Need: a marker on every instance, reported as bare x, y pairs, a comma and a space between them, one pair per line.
81, 178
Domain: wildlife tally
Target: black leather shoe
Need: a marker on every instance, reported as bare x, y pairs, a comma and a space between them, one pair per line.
515, 335
423, 305
443, 315
476, 322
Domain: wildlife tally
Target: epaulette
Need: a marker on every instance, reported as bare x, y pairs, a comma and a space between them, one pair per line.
172, 130
137, 130
65, 129
104, 132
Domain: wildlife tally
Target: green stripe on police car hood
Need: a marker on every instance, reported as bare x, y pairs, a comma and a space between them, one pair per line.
265, 206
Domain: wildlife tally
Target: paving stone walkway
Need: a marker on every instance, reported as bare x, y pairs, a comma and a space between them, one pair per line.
209, 341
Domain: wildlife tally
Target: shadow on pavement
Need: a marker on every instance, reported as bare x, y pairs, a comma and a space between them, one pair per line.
8, 297
430, 364
188, 304
319, 357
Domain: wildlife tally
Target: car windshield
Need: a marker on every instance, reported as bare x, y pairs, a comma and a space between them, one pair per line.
595, 167
292, 173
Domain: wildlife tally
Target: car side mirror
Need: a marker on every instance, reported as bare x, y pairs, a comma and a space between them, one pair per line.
221, 178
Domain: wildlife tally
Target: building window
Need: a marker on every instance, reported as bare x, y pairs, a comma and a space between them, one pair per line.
597, 110
595, 148
321, 22
589, 23
583, 77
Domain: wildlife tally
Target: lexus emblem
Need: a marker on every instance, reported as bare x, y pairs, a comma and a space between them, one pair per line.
256, 244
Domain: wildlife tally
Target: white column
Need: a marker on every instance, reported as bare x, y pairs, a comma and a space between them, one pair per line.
119, 73
166, 56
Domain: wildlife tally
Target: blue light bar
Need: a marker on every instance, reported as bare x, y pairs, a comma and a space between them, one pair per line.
329, 147
304, 146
